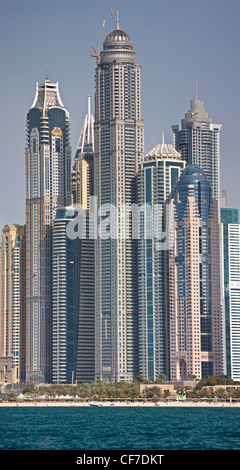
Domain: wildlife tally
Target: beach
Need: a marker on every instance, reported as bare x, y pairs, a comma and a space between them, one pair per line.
182, 404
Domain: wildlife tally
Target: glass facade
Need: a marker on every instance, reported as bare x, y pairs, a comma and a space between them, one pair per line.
197, 290
63, 295
156, 181
231, 289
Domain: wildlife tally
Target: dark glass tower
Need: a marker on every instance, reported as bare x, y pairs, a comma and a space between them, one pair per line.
64, 321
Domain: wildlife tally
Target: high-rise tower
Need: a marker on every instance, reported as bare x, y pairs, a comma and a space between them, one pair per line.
194, 273
119, 146
48, 186
12, 302
64, 331
82, 191
157, 177
230, 228
198, 141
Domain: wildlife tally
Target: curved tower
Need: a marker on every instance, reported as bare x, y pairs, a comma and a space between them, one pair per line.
157, 177
48, 186
194, 271
119, 146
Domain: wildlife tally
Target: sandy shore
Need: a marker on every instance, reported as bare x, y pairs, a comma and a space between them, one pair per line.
123, 404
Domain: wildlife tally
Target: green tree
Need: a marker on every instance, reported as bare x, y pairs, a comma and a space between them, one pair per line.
161, 379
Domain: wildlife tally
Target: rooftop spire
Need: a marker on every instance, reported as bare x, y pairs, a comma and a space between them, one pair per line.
118, 20
196, 89
47, 77
86, 138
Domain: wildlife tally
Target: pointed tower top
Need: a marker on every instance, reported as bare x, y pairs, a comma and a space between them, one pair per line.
86, 139
196, 89
118, 27
47, 77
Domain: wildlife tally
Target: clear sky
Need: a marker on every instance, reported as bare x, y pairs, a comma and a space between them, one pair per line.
177, 41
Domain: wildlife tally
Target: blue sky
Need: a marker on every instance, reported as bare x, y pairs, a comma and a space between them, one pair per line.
177, 41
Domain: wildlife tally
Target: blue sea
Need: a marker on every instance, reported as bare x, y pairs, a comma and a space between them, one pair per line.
119, 428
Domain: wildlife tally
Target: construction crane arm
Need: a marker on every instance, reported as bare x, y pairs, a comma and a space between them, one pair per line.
94, 52
113, 17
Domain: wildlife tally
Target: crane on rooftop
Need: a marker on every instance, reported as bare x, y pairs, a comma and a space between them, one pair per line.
94, 52
116, 23
113, 17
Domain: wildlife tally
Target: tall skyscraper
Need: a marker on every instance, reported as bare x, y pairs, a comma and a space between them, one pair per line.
12, 302
73, 305
231, 290
48, 186
82, 190
119, 146
157, 177
198, 141
194, 272
64, 320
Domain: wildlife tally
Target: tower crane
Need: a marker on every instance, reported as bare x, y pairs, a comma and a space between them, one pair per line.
113, 17
94, 52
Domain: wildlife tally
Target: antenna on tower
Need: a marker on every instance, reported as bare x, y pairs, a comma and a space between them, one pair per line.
117, 20
196, 89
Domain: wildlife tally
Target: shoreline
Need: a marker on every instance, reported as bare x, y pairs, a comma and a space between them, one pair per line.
119, 404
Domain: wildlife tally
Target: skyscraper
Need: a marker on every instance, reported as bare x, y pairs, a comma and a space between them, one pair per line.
83, 190
48, 186
230, 228
64, 320
73, 306
12, 302
157, 177
119, 144
194, 271
198, 141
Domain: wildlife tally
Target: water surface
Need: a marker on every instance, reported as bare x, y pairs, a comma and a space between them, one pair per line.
119, 428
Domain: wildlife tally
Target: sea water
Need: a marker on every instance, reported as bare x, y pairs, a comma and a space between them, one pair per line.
119, 428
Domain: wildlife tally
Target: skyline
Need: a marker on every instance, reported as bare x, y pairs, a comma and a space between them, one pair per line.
169, 72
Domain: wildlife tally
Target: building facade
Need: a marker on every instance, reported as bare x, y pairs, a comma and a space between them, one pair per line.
48, 186
12, 302
194, 273
64, 321
82, 191
73, 301
230, 229
198, 141
119, 147
157, 177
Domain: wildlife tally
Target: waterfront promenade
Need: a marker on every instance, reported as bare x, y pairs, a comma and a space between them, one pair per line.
175, 403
